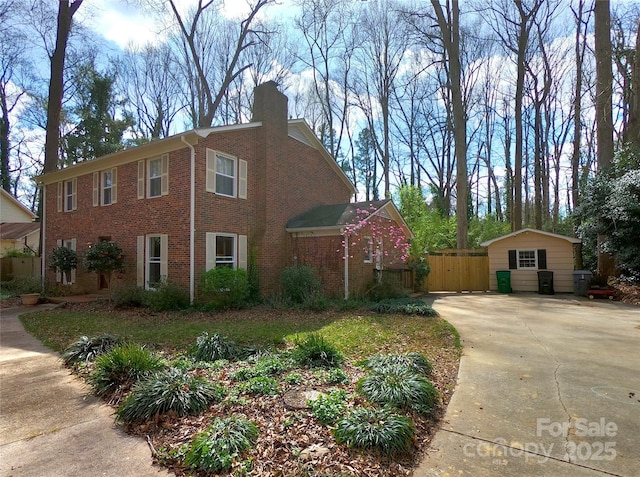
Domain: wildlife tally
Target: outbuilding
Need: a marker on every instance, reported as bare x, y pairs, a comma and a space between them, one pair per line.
532, 260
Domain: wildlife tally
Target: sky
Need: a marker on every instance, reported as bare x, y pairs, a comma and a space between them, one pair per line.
124, 22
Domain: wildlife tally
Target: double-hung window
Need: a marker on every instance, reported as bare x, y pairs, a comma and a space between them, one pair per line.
528, 259
68, 195
153, 250
66, 278
368, 250
226, 175
105, 187
226, 250
153, 177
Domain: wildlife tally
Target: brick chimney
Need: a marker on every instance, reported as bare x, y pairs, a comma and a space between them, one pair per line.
270, 106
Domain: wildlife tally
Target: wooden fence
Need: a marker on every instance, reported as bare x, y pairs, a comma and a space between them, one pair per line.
12, 267
458, 270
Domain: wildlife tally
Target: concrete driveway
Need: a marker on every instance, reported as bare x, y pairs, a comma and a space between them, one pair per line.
548, 386
50, 425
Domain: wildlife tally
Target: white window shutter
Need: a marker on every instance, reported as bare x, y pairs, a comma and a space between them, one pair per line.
140, 179
114, 185
242, 252
165, 174
242, 179
74, 188
140, 261
73, 244
58, 274
211, 171
210, 251
96, 189
164, 256
60, 195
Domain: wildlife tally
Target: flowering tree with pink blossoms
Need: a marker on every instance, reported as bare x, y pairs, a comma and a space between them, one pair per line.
380, 231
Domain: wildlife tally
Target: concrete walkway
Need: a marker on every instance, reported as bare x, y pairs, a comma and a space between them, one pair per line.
548, 386
50, 425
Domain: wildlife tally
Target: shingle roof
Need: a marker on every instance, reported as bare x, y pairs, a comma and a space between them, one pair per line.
17, 230
334, 215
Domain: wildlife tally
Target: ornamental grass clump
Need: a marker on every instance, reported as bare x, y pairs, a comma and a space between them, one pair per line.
397, 387
213, 348
223, 442
315, 352
122, 366
412, 362
174, 390
405, 306
380, 429
88, 349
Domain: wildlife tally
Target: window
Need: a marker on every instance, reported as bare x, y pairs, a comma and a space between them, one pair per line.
104, 187
107, 184
152, 260
156, 177
226, 175
368, 250
226, 250
64, 278
67, 195
528, 259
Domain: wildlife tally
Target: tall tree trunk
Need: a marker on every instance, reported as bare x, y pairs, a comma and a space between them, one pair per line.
451, 38
66, 10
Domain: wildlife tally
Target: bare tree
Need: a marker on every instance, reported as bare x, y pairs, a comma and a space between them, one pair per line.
201, 36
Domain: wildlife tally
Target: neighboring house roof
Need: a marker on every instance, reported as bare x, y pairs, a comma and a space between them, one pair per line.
331, 219
298, 129
529, 230
7, 199
17, 230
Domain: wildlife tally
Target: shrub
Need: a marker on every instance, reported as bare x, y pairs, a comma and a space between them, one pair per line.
421, 270
105, 257
168, 297
379, 429
225, 440
225, 288
412, 362
87, 349
122, 366
336, 376
406, 306
21, 285
387, 286
174, 390
300, 283
264, 385
213, 348
315, 352
63, 260
397, 387
327, 408
293, 378
130, 296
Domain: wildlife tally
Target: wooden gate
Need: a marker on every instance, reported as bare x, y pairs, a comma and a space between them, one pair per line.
458, 270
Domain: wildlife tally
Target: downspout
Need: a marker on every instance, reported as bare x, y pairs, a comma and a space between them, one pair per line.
43, 236
346, 265
192, 223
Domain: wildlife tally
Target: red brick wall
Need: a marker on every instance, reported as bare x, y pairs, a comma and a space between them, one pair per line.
285, 178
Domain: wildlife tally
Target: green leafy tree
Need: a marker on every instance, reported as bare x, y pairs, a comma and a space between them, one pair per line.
99, 131
64, 260
610, 208
105, 258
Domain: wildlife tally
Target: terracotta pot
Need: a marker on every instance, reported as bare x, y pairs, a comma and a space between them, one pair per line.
30, 299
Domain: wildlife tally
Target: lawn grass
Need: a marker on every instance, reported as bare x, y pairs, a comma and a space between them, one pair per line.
356, 334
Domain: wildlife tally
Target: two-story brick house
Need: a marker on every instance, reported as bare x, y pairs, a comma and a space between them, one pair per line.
203, 198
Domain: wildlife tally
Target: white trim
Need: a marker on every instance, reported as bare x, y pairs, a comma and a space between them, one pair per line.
529, 230
211, 259
535, 259
368, 241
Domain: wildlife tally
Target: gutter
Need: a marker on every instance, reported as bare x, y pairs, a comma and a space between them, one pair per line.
192, 223
43, 237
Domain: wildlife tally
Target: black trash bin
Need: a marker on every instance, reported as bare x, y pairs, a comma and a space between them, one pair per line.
545, 282
581, 282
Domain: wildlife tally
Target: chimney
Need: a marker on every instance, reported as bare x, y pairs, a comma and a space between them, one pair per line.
270, 106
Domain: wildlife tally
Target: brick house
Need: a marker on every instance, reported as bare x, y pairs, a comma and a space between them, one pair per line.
208, 197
